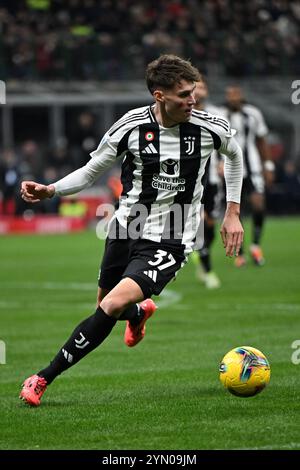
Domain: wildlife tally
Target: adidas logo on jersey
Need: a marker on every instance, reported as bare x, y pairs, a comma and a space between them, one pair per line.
151, 274
150, 149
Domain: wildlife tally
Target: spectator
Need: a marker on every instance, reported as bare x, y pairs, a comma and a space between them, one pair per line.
84, 137
9, 179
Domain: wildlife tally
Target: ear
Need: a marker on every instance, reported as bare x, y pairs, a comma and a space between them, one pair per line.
159, 96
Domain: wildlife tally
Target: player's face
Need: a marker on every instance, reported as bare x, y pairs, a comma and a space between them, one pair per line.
177, 103
200, 93
234, 97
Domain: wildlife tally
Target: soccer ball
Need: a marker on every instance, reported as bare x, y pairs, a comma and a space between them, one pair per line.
245, 371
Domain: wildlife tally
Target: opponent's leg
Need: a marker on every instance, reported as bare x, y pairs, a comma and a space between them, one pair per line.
209, 277
258, 216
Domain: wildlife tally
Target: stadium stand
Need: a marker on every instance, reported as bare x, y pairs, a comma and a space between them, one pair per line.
105, 40
72, 67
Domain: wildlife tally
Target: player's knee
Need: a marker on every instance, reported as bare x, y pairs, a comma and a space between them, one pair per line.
101, 294
112, 305
258, 202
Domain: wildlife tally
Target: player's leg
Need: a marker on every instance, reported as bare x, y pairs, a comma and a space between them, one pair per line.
90, 333
133, 312
121, 303
153, 265
87, 336
209, 235
257, 201
113, 265
115, 260
101, 294
210, 278
211, 204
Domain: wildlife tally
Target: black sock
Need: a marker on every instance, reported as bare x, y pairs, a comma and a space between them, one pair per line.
258, 221
209, 235
205, 259
134, 314
86, 337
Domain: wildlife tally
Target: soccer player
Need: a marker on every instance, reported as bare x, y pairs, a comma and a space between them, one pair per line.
251, 129
164, 147
211, 196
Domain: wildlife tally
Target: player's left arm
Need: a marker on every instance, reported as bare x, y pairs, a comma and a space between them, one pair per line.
232, 232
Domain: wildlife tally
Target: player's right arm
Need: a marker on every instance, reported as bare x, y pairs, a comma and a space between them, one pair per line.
70, 184
232, 232
35, 192
112, 146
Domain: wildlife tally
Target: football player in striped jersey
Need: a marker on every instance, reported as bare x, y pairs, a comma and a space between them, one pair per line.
164, 148
251, 134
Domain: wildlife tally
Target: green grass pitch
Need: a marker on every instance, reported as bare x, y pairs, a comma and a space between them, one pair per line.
165, 393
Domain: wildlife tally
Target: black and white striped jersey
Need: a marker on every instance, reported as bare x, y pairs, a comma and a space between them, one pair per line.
162, 168
249, 124
213, 163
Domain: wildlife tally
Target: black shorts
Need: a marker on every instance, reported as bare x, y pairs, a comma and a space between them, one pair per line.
150, 264
253, 184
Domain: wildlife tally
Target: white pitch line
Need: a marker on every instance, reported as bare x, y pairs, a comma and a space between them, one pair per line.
167, 297
11, 305
50, 285
270, 306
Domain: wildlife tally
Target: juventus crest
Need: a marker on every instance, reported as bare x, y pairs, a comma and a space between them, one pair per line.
190, 143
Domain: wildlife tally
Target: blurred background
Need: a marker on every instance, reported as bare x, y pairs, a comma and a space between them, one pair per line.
72, 67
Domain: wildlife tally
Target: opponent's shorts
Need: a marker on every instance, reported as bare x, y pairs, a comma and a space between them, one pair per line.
211, 199
150, 264
254, 183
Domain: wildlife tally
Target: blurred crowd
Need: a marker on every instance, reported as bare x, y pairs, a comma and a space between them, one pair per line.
33, 160
114, 39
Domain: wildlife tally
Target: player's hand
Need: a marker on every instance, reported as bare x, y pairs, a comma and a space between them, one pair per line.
232, 233
35, 192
